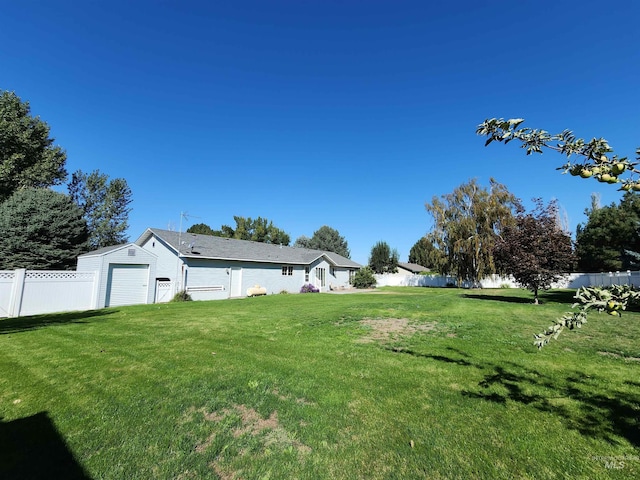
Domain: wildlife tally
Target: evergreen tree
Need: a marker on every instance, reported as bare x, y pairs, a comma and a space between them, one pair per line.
426, 254
383, 259
363, 278
608, 242
41, 229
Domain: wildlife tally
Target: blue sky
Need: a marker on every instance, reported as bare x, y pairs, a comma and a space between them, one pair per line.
350, 114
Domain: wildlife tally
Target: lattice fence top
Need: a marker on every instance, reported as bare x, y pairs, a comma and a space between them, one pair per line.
4, 275
58, 275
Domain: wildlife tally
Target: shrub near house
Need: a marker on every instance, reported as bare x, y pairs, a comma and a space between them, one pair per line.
308, 288
363, 278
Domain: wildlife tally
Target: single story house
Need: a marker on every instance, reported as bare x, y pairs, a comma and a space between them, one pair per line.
162, 262
407, 275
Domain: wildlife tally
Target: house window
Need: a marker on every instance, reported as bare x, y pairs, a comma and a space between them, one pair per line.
320, 277
306, 274
287, 270
332, 271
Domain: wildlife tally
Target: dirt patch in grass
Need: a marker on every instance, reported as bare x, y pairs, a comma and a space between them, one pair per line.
268, 431
252, 423
223, 475
385, 329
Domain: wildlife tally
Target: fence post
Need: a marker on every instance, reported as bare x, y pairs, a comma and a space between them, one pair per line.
17, 288
95, 290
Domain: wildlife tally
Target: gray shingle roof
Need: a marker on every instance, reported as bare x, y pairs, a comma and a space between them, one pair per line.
209, 246
413, 267
102, 250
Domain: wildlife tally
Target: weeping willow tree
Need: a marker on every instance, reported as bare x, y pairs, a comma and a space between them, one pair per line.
467, 223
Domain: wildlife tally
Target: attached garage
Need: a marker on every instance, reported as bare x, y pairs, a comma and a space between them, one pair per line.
126, 274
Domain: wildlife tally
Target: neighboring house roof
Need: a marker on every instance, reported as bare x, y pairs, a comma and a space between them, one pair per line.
412, 267
219, 248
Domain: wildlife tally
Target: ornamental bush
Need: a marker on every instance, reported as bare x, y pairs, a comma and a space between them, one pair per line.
364, 278
308, 288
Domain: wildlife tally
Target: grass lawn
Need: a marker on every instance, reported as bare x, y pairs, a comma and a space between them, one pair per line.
401, 383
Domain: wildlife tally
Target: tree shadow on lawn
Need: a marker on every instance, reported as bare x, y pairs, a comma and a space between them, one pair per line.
598, 414
497, 298
559, 296
34, 322
577, 399
32, 447
439, 358
553, 296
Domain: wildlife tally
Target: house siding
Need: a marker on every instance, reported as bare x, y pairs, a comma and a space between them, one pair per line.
213, 273
89, 264
207, 280
341, 278
167, 264
270, 276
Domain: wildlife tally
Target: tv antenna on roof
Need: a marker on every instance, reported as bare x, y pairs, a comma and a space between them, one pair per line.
179, 278
186, 216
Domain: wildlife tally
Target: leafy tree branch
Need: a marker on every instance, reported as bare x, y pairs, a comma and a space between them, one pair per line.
595, 160
613, 300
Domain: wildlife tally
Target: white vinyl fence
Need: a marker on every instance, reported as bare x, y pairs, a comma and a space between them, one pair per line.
33, 292
573, 280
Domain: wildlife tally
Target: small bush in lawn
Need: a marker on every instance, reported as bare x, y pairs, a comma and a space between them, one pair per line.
364, 278
308, 288
181, 296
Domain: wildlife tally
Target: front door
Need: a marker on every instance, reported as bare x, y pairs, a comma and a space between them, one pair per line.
320, 278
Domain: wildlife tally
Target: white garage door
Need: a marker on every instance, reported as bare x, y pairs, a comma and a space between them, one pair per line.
127, 285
